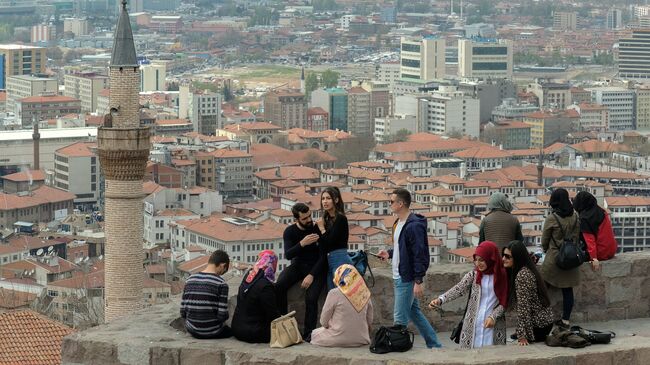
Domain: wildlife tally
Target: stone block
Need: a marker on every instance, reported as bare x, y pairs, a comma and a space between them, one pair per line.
616, 268
594, 359
625, 357
591, 294
642, 355
640, 266
193, 356
622, 290
164, 356
75, 349
645, 288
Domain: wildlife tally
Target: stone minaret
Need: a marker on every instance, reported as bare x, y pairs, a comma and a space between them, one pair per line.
540, 168
123, 148
36, 137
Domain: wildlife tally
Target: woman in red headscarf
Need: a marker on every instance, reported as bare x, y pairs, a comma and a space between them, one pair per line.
484, 323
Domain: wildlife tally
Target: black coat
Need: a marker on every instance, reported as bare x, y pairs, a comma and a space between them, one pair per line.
256, 309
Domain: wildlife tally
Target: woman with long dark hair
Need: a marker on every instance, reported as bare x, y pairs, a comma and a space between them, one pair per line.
528, 293
595, 228
334, 230
562, 219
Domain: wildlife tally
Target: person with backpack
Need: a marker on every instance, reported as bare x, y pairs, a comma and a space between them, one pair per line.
410, 254
529, 295
347, 312
595, 228
560, 227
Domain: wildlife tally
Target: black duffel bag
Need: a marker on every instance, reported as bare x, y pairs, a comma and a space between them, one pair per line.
392, 339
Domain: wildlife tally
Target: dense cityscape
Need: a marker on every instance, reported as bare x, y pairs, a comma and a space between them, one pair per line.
244, 108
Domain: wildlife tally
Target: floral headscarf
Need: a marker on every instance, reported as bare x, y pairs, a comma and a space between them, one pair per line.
352, 285
267, 261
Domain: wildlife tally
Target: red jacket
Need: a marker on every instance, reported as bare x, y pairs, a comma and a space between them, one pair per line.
601, 246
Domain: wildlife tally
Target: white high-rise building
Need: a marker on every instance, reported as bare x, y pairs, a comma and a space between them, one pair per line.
620, 105
153, 77
485, 58
422, 59
634, 56
614, 19
451, 111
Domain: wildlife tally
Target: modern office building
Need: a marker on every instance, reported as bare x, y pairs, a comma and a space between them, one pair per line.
23, 86
620, 105
615, 19
422, 58
21, 60
335, 102
634, 56
565, 20
153, 76
482, 58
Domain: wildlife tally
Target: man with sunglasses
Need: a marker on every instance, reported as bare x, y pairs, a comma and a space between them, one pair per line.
301, 247
410, 255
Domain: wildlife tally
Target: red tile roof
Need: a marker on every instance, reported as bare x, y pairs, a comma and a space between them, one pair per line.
28, 175
482, 152
48, 99
41, 195
78, 149
27, 338
289, 172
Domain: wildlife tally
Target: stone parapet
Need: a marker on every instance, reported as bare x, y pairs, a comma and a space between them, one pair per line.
619, 295
123, 152
620, 291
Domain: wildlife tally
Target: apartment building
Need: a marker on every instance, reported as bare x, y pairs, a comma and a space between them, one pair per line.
77, 171
18, 59
422, 59
485, 58
85, 87
287, 109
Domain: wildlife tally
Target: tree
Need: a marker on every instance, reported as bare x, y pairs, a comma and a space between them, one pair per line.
401, 135
311, 83
329, 78
353, 150
55, 54
455, 133
71, 55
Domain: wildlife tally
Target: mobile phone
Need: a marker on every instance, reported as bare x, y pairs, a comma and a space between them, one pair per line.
373, 254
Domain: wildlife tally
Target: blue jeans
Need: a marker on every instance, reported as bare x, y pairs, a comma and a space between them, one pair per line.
407, 309
335, 259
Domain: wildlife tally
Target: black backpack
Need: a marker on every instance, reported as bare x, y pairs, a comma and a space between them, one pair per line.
392, 339
571, 254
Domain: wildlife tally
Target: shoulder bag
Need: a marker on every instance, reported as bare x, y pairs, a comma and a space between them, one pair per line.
284, 331
392, 339
455, 333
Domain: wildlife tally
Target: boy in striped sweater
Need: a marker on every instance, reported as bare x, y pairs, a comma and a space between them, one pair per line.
205, 300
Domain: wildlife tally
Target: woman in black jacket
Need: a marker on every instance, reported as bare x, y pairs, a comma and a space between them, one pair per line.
333, 242
256, 301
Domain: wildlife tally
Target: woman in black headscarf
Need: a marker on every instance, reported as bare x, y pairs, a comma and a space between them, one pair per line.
561, 219
595, 228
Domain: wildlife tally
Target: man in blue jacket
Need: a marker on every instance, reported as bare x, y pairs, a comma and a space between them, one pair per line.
410, 261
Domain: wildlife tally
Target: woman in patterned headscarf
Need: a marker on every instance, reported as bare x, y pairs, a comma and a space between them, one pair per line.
347, 313
256, 302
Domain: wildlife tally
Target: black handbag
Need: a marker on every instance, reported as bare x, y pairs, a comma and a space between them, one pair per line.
571, 254
455, 333
593, 336
392, 339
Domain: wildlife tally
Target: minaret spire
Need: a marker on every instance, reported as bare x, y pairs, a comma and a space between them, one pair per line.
540, 168
123, 148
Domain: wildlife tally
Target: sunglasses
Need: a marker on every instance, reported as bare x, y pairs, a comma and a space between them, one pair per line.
506, 256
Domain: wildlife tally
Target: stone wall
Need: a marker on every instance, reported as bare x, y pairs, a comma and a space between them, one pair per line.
621, 290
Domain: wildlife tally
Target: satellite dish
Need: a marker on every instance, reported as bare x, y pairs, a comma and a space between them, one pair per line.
101, 257
78, 260
31, 272
86, 259
39, 252
49, 249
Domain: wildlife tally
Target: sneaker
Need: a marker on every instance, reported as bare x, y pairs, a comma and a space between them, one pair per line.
562, 324
513, 336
